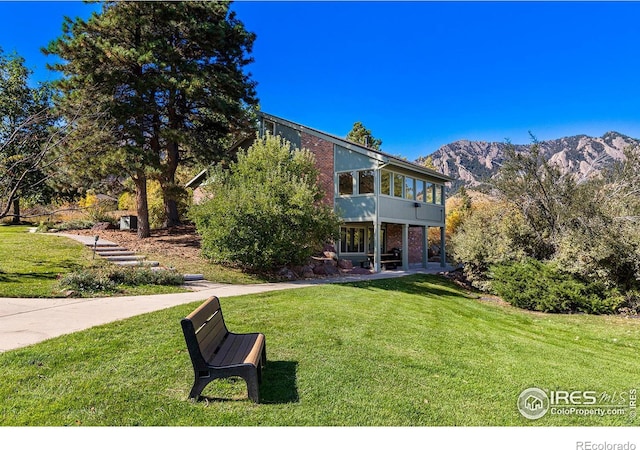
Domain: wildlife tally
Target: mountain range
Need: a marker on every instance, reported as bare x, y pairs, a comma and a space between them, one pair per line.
472, 163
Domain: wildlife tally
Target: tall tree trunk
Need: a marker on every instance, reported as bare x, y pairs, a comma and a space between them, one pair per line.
16, 211
168, 184
140, 180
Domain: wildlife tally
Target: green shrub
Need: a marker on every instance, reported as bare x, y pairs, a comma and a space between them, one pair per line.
265, 212
493, 234
540, 286
109, 278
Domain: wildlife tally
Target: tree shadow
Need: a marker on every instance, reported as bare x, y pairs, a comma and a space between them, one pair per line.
434, 285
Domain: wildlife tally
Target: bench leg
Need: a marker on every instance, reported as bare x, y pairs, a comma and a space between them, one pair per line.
253, 389
198, 385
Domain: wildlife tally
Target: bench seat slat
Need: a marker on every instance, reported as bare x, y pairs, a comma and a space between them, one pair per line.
239, 349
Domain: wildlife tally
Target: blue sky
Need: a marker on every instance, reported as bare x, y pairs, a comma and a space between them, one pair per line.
422, 74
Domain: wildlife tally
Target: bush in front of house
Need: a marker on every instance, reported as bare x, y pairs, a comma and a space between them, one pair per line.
265, 211
108, 278
541, 286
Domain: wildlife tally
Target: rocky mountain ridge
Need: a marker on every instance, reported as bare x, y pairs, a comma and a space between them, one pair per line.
472, 163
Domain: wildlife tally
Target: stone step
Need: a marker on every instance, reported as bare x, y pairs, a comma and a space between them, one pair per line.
137, 263
111, 249
115, 253
103, 245
125, 258
193, 277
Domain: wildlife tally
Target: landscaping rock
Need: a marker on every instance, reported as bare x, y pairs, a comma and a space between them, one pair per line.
103, 226
331, 255
287, 273
320, 270
345, 264
360, 271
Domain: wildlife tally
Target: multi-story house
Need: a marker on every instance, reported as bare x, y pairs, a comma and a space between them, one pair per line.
387, 203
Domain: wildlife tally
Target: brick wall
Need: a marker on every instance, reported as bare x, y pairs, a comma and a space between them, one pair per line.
394, 239
394, 236
323, 151
415, 245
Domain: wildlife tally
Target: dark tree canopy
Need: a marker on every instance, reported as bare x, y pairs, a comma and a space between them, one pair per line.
169, 81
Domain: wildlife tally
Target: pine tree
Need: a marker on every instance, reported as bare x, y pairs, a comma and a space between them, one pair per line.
363, 136
168, 81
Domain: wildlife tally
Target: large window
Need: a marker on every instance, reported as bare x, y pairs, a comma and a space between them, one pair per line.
420, 194
365, 182
345, 183
398, 184
402, 186
429, 190
409, 189
352, 240
385, 182
439, 199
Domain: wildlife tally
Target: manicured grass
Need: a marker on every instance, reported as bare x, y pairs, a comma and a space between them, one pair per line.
414, 351
211, 272
30, 264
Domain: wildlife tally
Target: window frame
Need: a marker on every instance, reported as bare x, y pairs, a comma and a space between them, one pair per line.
339, 186
346, 240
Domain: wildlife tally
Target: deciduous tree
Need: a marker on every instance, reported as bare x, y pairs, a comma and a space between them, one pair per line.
25, 138
265, 211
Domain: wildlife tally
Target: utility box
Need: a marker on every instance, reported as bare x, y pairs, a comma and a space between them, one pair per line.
129, 222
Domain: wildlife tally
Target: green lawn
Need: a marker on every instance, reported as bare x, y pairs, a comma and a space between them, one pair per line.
413, 351
30, 264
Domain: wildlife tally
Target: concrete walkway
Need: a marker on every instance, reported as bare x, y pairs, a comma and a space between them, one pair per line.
26, 321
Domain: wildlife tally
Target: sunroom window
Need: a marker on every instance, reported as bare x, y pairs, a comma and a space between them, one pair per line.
345, 183
365, 182
398, 184
409, 189
385, 182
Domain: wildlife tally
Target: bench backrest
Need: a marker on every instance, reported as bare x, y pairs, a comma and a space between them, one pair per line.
204, 330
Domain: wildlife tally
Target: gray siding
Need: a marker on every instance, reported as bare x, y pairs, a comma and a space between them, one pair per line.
289, 134
346, 159
356, 208
404, 211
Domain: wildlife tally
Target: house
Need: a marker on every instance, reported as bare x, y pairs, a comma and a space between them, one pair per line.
387, 203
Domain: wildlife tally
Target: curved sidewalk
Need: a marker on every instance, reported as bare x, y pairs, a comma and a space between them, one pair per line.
26, 321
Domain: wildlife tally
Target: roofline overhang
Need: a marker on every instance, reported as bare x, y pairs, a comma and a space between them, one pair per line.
384, 158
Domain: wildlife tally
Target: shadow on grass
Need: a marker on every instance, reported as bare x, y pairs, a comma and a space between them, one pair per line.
279, 382
433, 285
278, 385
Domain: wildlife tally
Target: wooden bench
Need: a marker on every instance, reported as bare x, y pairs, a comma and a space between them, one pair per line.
217, 353
391, 262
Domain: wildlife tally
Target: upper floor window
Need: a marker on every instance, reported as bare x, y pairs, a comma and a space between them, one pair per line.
409, 188
398, 182
385, 182
345, 183
439, 198
269, 127
365, 182
403, 186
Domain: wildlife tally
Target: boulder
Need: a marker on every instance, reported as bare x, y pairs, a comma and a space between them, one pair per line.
103, 226
345, 264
